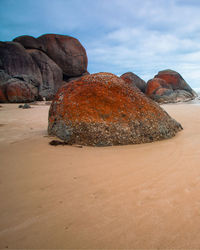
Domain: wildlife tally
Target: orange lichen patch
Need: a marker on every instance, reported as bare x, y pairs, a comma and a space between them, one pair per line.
153, 85
169, 78
175, 80
19, 92
101, 97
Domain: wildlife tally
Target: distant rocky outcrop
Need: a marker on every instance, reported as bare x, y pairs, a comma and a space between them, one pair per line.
133, 80
41, 65
168, 86
100, 110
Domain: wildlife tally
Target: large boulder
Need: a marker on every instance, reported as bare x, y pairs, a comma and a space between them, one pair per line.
174, 79
67, 52
52, 76
16, 61
168, 86
134, 80
29, 42
43, 64
100, 110
19, 88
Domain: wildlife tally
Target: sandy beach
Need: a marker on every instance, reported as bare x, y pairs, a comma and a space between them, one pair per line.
123, 197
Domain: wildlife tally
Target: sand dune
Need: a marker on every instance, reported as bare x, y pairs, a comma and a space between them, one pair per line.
136, 196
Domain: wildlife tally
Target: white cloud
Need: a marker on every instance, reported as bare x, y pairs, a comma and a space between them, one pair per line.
168, 37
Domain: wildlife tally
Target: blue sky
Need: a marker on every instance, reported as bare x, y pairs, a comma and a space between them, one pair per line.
142, 36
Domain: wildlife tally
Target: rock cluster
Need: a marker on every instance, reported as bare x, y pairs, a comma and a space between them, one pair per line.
99, 109
168, 86
102, 110
33, 68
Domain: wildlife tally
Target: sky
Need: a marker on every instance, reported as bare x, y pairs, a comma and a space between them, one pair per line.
141, 36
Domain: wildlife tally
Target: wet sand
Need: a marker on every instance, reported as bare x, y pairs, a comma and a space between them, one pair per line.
136, 196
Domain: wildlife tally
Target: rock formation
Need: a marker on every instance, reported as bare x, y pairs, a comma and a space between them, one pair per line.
16, 61
52, 75
39, 63
133, 80
67, 52
168, 86
100, 110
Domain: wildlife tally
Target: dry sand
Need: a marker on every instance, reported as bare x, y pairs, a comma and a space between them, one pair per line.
137, 196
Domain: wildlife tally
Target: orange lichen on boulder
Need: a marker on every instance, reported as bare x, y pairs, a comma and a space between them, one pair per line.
100, 110
169, 86
18, 91
154, 84
174, 79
